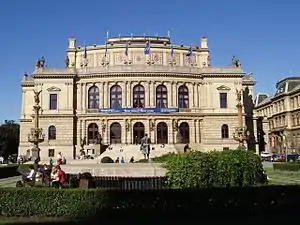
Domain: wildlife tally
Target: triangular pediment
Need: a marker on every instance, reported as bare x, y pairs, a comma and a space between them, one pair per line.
53, 89
223, 88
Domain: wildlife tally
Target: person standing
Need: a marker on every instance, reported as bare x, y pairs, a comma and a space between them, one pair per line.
59, 158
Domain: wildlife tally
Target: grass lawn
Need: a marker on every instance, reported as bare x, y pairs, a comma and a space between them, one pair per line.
283, 178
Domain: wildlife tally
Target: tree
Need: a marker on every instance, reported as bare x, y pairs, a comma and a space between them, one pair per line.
9, 138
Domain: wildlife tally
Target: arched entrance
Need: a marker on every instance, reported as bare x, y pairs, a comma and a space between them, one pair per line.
184, 130
115, 133
162, 133
138, 132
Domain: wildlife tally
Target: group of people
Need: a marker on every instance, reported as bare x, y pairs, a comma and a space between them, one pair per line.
122, 160
54, 176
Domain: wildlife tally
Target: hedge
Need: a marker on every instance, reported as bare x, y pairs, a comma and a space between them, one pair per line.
8, 171
215, 169
287, 166
80, 203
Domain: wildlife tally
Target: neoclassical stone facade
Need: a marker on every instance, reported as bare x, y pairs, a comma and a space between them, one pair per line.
280, 116
131, 86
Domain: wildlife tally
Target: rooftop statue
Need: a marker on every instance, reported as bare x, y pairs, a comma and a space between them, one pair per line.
40, 62
236, 62
67, 61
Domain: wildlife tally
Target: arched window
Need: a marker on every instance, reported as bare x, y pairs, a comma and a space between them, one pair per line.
52, 133
116, 97
161, 96
93, 133
115, 133
183, 97
184, 130
224, 131
93, 97
138, 96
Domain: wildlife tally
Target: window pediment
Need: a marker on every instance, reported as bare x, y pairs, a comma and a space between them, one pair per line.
53, 89
223, 88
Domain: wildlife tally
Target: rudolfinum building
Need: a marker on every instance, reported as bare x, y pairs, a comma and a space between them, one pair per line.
129, 87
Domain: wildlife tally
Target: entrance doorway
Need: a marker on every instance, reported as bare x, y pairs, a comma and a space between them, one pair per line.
162, 133
115, 133
138, 132
184, 130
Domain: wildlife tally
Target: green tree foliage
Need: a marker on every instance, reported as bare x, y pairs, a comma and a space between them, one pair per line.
215, 169
9, 138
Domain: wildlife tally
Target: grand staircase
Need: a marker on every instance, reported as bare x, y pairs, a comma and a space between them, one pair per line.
134, 150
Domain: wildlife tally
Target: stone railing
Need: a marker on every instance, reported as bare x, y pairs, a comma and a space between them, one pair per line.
138, 69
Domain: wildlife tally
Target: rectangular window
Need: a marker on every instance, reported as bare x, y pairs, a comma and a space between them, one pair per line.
223, 100
53, 102
50, 152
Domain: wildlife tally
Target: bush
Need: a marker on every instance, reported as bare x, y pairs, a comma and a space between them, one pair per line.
215, 169
107, 159
77, 203
8, 171
288, 166
239, 168
192, 170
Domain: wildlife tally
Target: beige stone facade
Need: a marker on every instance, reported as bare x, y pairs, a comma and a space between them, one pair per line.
117, 92
280, 116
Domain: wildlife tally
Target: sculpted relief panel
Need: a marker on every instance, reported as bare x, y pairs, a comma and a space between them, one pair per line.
175, 58
157, 58
190, 60
120, 58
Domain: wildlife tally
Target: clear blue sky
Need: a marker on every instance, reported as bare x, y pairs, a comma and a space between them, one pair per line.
263, 34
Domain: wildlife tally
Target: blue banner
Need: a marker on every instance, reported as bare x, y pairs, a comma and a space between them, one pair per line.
139, 110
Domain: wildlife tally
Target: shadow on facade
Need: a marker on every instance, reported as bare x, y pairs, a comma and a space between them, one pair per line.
248, 107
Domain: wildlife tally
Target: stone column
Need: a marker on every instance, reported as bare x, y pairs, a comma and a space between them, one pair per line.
123, 131
105, 94
147, 95
201, 131
151, 94
191, 95
84, 129
130, 132
170, 100
129, 96
101, 97
124, 94
85, 96
199, 95
175, 94
196, 95
197, 131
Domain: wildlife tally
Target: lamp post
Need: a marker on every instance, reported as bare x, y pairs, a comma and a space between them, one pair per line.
36, 135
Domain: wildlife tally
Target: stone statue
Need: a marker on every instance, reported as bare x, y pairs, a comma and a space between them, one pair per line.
67, 61
175, 125
208, 61
40, 63
36, 96
83, 142
236, 62
239, 95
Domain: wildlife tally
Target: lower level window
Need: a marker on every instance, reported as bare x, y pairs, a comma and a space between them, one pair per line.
51, 152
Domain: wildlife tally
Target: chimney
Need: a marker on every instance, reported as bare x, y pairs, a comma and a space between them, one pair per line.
204, 42
72, 42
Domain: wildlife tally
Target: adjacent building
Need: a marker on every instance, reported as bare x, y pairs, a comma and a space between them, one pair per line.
280, 116
129, 86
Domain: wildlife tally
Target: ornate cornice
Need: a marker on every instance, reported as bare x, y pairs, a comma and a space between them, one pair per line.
139, 74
